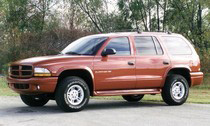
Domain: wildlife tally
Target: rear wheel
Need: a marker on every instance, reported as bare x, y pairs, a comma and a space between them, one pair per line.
175, 90
72, 94
34, 100
133, 98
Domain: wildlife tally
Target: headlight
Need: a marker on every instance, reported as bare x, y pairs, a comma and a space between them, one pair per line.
41, 72
9, 70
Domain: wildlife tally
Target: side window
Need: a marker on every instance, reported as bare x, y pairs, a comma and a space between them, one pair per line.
177, 46
145, 45
121, 45
158, 47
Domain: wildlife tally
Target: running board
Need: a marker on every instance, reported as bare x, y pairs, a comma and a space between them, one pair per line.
127, 92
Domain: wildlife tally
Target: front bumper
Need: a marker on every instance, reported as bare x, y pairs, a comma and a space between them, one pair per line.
36, 85
196, 78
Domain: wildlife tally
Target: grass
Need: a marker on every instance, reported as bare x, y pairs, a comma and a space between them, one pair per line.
198, 94
4, 90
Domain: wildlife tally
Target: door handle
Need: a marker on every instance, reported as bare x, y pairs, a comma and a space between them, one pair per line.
165, 62
130, 63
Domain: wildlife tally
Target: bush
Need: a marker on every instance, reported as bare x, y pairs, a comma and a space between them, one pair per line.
25, 45
205, 61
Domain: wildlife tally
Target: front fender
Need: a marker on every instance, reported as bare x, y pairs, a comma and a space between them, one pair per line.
60, 70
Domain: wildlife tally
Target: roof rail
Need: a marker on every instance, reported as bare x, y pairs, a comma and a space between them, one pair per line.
138, 30
169, 32
129, 30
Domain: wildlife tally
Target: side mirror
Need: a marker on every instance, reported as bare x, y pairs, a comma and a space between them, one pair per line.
108, 52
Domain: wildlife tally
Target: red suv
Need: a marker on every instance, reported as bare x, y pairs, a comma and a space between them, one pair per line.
127, 64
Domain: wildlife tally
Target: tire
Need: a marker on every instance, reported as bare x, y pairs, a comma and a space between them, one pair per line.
133, 98
72, 94
34, 100
175, 90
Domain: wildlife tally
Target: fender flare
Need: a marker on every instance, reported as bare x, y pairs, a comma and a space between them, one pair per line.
174, 67
89, 70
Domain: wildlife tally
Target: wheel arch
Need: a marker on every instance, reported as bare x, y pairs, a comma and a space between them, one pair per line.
85, 74
184, 71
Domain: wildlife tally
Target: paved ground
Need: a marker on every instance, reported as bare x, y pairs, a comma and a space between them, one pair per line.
104, 113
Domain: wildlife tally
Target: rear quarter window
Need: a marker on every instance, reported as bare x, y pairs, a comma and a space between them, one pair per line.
145, 45
176, 45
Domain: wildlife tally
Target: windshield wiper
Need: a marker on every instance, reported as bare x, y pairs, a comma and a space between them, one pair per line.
60, 53
73, 53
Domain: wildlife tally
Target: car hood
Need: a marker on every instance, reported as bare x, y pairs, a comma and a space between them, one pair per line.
51, 59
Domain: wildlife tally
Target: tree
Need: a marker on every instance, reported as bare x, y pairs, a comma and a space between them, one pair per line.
40, 27
93, 10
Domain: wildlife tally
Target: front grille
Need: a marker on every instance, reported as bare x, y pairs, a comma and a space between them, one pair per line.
21, 71
15, 67
21, 86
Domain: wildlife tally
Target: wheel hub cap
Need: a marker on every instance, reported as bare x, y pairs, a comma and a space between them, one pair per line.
178, 90
75, 95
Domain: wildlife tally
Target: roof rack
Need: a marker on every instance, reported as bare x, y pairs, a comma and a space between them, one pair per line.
129, 30
138, 30
168, 32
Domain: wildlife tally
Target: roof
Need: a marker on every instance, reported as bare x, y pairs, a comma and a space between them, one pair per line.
132, 34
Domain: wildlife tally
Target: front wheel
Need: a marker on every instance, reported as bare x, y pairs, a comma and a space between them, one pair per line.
34, 100
133, 98
72, 94
175, 90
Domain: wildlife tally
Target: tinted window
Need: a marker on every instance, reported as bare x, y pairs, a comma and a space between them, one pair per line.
158, 47
85, 46
177, 46
121, 45
145, 46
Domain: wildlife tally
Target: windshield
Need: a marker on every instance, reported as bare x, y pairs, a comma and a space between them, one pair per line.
85, 46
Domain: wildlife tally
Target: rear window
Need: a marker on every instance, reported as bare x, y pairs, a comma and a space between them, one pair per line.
176, 45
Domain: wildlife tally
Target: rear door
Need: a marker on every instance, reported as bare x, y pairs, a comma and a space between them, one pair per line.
115, 71
151, 62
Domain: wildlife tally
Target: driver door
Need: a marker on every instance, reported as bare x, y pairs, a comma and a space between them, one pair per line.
115, 71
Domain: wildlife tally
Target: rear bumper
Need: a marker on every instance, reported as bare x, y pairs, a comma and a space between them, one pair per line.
196, 78
36, 85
